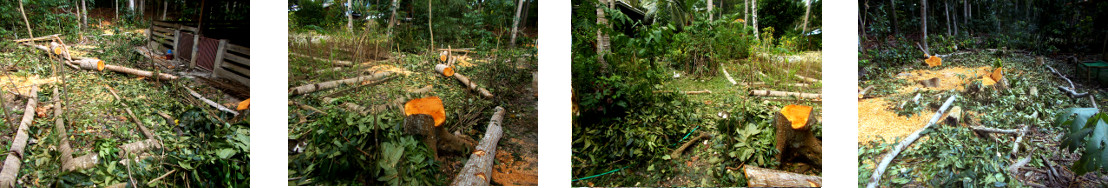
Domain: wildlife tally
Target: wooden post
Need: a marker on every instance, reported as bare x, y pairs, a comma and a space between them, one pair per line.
217, 66
195, 48
176, 39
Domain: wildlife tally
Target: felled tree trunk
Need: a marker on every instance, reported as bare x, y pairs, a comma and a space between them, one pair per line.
136, 72
69, 163
761, 177
308, 88
794, 134
769, 93
445, 70
15, 154
888, 158
479, 167
336, 62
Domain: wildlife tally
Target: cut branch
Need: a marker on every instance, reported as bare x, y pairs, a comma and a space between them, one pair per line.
732, 80
906, 142
15, 154
1072, 87
478, 169
677, 152
444, 69
761, 177
308, 88
211, 103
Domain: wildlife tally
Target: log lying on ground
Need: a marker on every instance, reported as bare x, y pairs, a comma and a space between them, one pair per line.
794, 134
732, 80
698, 92
771, 84
308, 88
677, 152
139, 146
94, 64
336, 62
47, 37
769, 93
69, 163
761, 177
478, 169
15, 154
806, 79
862, 93
465, 80
876, 178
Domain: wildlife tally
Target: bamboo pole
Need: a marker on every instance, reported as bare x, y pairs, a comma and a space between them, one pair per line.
15, 154
876, 178
478, 170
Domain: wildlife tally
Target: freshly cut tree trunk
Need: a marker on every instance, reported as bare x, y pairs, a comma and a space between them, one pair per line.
794, 134
308, 88
478, 169
15, 154
139, 147
876, 178
768, 84
136, 72
444, 69
473, 86
806, 79
768, 93
761, 177
212, 103
47, 37
69, 163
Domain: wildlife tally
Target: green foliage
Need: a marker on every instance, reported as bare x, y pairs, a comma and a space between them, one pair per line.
351, 149
746, 138
1087, 128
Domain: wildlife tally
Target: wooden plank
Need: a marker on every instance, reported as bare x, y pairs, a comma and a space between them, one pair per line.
159, 35
239, 49
226, 74
191, 29
166, 24
163, 29
236, 58
236, 68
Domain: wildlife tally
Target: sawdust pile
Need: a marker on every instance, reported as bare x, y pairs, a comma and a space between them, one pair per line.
876, 119
949, 78
389, 68
21, 85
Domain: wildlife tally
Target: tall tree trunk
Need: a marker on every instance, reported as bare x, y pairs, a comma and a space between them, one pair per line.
896, 22
754, 18
21, 12
807, 10
350, 15
116, 2
602, 42
392, 19
947, 14
746, 10
923, 21
515, 23
710, 15
131, 6
84, 14
165, 9
429, 27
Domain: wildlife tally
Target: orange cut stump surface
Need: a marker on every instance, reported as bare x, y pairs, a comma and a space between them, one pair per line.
797, 115
429, 105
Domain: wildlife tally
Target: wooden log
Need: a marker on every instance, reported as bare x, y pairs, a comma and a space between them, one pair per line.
794, 137
139, 147
472, 86
677, 152
211, 103
862, 93
806, 79
729, 78
761, 177
15, 154
137, 72
751, 84
769, 93
444, 70
698, 92
69, 163
47, 37
308, 88
876, 178
478, 169
89, 64
336, 62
